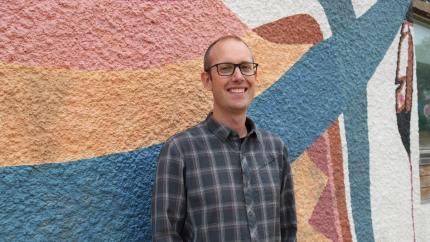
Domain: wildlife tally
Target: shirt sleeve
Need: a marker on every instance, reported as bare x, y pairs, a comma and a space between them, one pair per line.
288, 209
168, 196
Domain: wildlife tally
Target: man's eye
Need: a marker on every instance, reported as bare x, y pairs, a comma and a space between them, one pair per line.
225, 68
246, 67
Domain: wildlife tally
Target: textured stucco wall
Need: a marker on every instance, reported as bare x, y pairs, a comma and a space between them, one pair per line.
89, 91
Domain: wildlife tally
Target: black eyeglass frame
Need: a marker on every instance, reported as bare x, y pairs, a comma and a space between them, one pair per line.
234, 68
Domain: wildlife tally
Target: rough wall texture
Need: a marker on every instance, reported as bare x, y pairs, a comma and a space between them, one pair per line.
90, 90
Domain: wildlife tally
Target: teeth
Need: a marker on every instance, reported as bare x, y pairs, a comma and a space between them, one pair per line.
237, 90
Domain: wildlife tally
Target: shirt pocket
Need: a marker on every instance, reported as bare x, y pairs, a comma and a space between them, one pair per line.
267, 161
266, 181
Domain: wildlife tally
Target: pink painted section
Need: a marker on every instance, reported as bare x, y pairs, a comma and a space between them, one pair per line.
323, 217
318, 153
326, 217
111, 35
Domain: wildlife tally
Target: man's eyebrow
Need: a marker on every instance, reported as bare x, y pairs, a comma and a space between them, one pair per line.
243, 62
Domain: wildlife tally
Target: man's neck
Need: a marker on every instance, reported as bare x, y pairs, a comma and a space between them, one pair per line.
235, 122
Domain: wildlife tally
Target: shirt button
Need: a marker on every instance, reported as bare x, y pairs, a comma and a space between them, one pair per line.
253, 234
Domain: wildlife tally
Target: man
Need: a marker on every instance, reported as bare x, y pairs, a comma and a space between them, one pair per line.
224, 179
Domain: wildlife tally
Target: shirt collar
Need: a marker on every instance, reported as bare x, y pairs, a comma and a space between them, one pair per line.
224, 132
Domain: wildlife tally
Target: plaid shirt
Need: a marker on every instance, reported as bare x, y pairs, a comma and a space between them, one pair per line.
211, 186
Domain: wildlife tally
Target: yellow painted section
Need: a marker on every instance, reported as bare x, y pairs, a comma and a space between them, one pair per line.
55, 115
309, 184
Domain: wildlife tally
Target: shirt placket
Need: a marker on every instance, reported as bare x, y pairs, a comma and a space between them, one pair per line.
247, 190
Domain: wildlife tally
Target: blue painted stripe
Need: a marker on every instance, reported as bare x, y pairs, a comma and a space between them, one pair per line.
100, 199
356, 132
340, 14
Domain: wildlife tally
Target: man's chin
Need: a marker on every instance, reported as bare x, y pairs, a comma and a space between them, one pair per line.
239, 108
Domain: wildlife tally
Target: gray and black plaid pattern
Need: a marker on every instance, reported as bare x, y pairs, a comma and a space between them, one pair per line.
211, 186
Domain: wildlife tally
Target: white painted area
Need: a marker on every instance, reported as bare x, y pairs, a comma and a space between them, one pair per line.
389, 164
255, 12
361, 6
346, 175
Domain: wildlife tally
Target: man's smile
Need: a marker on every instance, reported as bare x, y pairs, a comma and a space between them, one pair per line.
237, 90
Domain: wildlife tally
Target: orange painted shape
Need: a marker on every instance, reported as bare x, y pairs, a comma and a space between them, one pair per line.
55, 115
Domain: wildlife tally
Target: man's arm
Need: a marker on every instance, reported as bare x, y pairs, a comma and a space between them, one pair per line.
168, 196
288, 208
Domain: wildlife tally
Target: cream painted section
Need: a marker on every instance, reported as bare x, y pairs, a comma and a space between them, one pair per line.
255, 13
389, 164
346, 175
361, 6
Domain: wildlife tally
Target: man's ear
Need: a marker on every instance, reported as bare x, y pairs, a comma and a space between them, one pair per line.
206, 81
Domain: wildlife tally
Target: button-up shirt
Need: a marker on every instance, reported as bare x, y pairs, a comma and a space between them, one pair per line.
213, 186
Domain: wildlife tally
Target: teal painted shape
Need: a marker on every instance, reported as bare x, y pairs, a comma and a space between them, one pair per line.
340, 14
357, 138
106, 198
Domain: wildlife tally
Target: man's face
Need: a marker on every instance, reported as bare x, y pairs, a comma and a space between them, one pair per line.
232, 94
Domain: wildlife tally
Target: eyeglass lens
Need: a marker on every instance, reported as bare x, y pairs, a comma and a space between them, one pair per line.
227, 69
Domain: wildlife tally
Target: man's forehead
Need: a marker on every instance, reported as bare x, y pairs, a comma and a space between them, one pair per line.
236, 44
230, 42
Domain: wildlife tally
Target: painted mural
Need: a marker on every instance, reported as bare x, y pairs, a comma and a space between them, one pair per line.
404, 80
90, 90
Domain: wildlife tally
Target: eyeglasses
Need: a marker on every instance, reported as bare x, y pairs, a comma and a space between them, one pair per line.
227, 69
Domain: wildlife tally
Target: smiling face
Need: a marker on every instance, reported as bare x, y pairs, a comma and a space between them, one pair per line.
232, 94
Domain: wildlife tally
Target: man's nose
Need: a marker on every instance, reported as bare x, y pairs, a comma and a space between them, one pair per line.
237, 74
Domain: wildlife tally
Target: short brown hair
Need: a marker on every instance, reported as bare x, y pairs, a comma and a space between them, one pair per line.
206, 61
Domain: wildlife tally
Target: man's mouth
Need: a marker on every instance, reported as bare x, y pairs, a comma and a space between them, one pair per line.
237, 90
